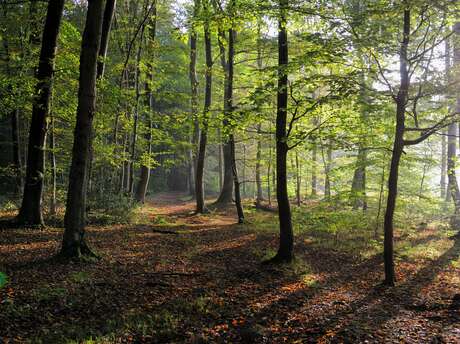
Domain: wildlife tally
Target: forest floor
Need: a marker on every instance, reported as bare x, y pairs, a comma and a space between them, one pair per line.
178, 277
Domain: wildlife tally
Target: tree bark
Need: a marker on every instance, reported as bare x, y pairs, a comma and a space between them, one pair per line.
229, 114
314, 177
144, 178
259, 196
199, 183
327, 171
298, 179
452, 133
226, 192
73, 243
443, 164
31, 208
52, 158
286, 240
136, 113
195, 128
398, 146
105, 35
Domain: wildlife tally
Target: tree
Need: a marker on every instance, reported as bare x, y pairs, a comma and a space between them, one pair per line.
143, 183
286, 241
31, 207
407, 64
199, 187
73, 243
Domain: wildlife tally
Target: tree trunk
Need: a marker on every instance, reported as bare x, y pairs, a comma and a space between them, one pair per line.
229, 114
31, 208
452, 133
144, 178
106, 27
398, 146
52, 158
199, 183
286, 243
73, 243
259, 197
314, 177
327, 171
298, 179
269, 176
226, 192
443, 164
358, 186
195, 130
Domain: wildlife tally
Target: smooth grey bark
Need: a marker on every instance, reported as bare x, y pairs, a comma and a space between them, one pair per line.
298, 177
259, 194
30, 212
195, 127
52, 159
452, 133
327, 170
286, 234
226, 191
229, 114
104, 45
199, 182
314, 176
443, 164
73, 243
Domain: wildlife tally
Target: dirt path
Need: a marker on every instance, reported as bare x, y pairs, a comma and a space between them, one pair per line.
180, 277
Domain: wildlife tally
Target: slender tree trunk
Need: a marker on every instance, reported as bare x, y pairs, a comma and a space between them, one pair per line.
259, 197
73, 243
314, 177
327, 171
398, 146
52, 158
220, 159
286, 243
31, 208
199, 184
379, 207
452, 133
298, 179
443, 164
136, 114
269, 176
358, 186
195, 128
226, 192
229, 114
244, 170
144, 178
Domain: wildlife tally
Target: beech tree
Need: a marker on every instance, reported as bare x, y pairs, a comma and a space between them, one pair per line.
73, 243
30, 213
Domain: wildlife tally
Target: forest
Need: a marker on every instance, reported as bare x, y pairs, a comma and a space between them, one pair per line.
229, 171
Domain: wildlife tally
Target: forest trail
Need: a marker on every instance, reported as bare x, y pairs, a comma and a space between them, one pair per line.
176, 277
